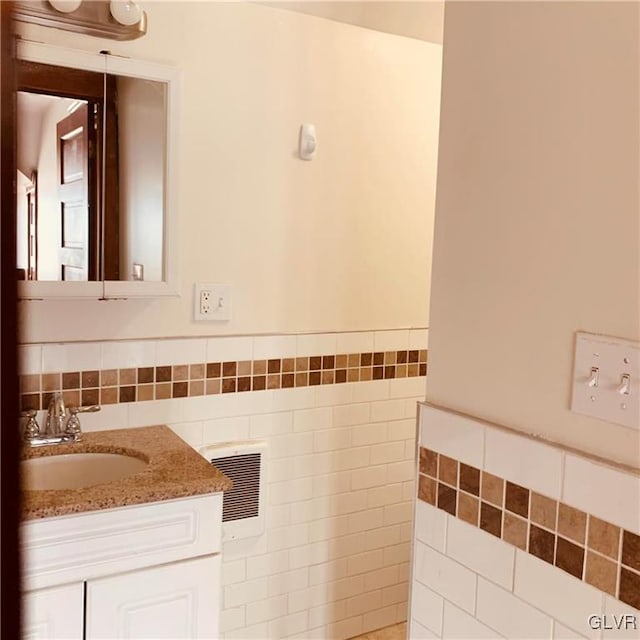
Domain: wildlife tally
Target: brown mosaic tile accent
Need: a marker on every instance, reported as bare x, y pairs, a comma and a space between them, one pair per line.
469, 479
342, 361
29, 401
448, 470
288, 365
366, 359
213, 387
491, 519
604, 537
180, 373
414, 356
109, 377
163, 374
90, 397
71, 398
244, 368
631, 550
196, 388
427, 489
302, 379
163, 391
180, 389
288, 380
542, 544
327, 377
492, 489
341, 376
51, 382
229, 370
447, 498
273, 366
244, 384
428, 462
145, 392
127, 394
127, 376
315, 363
378, 359
90, 379
214, 369
229, 384
145, 375
543, 510
569, 557
468, 508
108, 395
196, 371
515, 530
516, 499
302, 364
629, 590
314, 378
572, 523
601, 573
71, 380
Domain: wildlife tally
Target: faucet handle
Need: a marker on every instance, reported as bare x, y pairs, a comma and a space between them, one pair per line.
73, 423
31, 428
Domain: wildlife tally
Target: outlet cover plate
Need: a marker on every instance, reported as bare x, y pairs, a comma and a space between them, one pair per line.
613, 358
220, 302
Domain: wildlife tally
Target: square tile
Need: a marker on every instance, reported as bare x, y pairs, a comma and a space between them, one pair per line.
90, 397
515, 530
631, 550
447, 499
448, 470
108, 395
196, 388
196, 371
601, 573
468, 508
145, 392
629, 591
30, 383
543, 511
244, 384
259, 367
470, 479
180, 373
289, 365
126, 377
569, 557
145, 375
427, 489
572, 523
229, 384
163, 374
127, 394
516, 499
213, 386
492, 489
180, 389
214, 369
604, 537
163, 390
428, 462
542, 544
244, 368
71, 398
229, 370
491, 519
51, 382
70, 380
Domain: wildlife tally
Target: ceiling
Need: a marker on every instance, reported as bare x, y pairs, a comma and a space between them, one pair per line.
422, 19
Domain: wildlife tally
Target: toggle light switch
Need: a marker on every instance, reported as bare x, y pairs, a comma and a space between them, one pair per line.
625, 385
593, 378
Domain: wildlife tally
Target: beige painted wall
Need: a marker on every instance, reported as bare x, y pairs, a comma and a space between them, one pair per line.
537, 225
340, 243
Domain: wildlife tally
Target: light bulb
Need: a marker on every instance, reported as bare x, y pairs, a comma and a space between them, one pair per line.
65, 6
125, 12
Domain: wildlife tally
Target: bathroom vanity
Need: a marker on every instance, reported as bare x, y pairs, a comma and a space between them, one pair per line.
137, 557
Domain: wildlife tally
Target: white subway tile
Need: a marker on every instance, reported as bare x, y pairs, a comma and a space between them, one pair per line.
414, 388
149, 413
455, 436
353, 458
213, 407
190, 432
300, 467
347, 628
316, 344
310, 554
395, 340
385, 410
403, 429
380, 578
622, 621
287, 537
363, 562
267, 564
527, 462
305, 599
539, 584
426, 608
397, 513
369, 434
356, 342
331, 483
418, 632
286, 626
319, 633
234, 571
229, 349
245, 592
333, 395
267, 609
332, 439
480, 551
382, 537
388, 494
370, 391
369, 477
418, 339
29, 359
409, 490
327, 613
458, 624
401, 471
560, 632
509, 615
232, 619
244, 548
225, 430
291, 491
182, 351
130, 353
292, 399
364, 602
365, 520
608, 493
397, 554
73, 356
351, 414
445, 576
308, 510
387, 452
295, 444
270, 347
256, 632
403, 572
278, 515
395, 594
328, 571
312, 419
270, 424
430, 525
348, 502
328, 528
345, 546
410, 450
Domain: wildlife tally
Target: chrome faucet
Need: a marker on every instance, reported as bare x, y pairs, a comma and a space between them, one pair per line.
58, 428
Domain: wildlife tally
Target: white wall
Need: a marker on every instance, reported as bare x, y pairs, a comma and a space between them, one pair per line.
22, 221
340, 243
537, 228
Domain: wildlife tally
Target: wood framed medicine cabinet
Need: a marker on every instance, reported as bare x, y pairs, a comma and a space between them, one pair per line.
125, 238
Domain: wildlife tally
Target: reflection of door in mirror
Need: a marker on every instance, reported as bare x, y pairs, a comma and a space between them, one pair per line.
75, 207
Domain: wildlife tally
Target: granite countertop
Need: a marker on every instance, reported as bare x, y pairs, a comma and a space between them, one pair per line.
174, 470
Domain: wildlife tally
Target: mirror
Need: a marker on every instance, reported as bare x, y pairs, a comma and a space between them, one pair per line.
94, 195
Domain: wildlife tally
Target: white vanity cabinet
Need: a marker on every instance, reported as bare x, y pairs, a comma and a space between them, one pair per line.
146, 571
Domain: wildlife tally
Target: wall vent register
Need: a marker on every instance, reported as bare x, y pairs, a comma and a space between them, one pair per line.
243, 505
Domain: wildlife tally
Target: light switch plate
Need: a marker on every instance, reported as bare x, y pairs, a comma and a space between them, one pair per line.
604, 361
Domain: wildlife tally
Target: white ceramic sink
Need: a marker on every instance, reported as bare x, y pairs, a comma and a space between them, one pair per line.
77, 470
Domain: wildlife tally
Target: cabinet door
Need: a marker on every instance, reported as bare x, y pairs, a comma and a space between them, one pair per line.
54, 614
179, 600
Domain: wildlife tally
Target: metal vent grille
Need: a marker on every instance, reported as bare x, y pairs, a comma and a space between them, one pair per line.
243, 500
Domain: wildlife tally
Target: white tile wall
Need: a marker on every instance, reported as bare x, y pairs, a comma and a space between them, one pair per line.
469, 584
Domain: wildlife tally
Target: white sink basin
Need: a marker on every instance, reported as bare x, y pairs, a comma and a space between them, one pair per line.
77, 470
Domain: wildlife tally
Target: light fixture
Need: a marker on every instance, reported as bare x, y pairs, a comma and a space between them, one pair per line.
125, 12
65, 6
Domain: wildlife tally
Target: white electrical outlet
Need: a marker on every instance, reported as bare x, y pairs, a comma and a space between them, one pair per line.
212, 301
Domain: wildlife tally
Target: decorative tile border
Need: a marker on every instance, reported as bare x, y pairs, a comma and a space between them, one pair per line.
600, 553
111, 386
